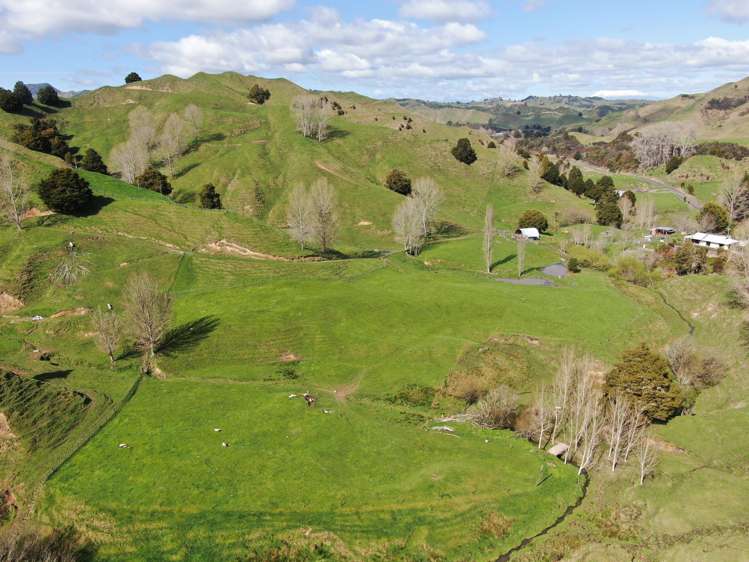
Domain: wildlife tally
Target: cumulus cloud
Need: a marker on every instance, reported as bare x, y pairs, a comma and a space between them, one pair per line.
21, 20
451, 61
736, 11
445, 10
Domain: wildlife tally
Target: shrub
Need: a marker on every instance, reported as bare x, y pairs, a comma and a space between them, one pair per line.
47, 95
569, 217
713, 218
495, 525
632, 270
689, 258
209, 198
23, 94
9, 102
498, 409
132, 77
64, 191
154, 180
608, 213
533, 219
646, 379
93, 162
491, 144
589, 258
413, 395
463, 152
58, 546
726, 150
573, 265
258, 94
399, 182
673, 164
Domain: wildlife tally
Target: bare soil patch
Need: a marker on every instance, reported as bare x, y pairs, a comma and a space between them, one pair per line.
80, 311
226, 247
5, 430
34, 213
9, 303
289, 357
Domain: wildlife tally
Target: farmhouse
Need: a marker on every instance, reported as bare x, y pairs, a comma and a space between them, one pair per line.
528, 233
712, 241
663, 231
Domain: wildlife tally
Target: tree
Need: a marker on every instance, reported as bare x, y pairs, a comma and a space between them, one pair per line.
23, 94
489, 234
194, 118
463, 152
520, 253
93, 162
209, 197
64, 191
9, 102
549, 171
148, 309
429, 197
575, 181
645, 213
673, 164
42, 135
689, 259
644, 377
660, 144
647, 458
47, 95
312, 114
299, 216
713, 218
324, 214
498, 409
258, 94
608, 213
132, 157
408, 225
172, 140
533, 219
155, 181
132, 77
14, 192
399, 182
108, 328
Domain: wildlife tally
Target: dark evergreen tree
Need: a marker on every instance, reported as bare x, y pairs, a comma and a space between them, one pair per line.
43, 136
154, 180
93, 163
713, 217
533, 219
9, 102
23, 94
645, 378
608, 212
463, 152
399, 182
575, 181
209, 197
132, 77
64, 191
47, 95
549, 171
629, 194
258, 94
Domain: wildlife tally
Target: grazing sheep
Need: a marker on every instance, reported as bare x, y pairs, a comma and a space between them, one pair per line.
309, 399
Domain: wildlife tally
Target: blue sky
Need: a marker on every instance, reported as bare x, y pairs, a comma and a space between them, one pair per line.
433, 49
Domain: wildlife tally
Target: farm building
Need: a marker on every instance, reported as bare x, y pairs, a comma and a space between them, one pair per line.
712, 241
528, 233
663, 231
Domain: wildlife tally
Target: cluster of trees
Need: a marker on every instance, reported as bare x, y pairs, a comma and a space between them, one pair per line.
312, 116
414, 217
659, 145
258, 94
145, 145
132, 77
43, 135
399, 182
607, 422
14, 101
312, 215
463, 152
209, 197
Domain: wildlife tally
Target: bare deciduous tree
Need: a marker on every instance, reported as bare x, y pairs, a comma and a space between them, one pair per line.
645, 214
489, 234
429, 196
498, 409
108, 329
194, 118
647, 458
535, 181
14, 192
407, 225
625, 206
520, 253
299, 216
312, 114
324, 213
130, 158
679, 355
149, 311
172, 140
655, 146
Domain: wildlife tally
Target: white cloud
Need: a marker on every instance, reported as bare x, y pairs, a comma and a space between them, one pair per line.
736, 11
619, 94
445, 10
24, 19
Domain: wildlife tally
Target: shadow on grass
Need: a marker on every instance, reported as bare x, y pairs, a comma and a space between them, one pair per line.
52, 375
186, 170
504, 260
96, 205
334, 134
197, 143
184, 197
188, 335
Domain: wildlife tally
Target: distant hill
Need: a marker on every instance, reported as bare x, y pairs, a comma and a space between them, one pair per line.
63, 94
502, 114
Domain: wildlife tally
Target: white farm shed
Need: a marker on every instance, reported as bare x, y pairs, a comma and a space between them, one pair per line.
712, 241
529, 233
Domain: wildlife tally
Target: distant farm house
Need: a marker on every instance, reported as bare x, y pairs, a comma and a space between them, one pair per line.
662, 231
528, 233
713, 242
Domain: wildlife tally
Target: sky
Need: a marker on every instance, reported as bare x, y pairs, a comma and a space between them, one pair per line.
442, 50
